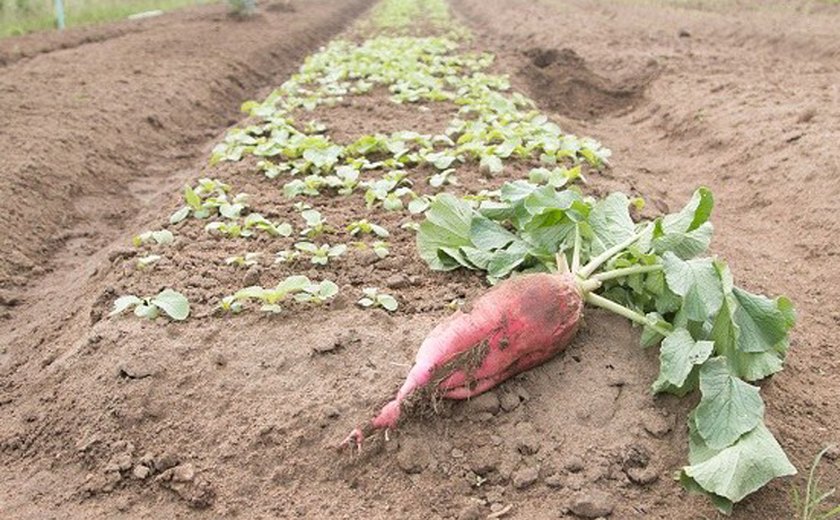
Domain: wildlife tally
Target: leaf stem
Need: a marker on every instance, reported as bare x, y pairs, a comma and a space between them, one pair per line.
596, 262
626, 271
576, 253
600, 301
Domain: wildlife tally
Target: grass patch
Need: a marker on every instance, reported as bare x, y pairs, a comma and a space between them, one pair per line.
24, 16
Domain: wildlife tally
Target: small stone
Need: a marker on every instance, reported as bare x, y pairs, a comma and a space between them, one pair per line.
483, 461
166, 461
457, 454
485, 403
398, 281
494, 496
643, 476
833, 452
574, 464
525, 477
123, 504
252, 276
683, 33
554, 481
141, 472
183, 473
471, 512
591, 504
509, 401
119, 462
495, 508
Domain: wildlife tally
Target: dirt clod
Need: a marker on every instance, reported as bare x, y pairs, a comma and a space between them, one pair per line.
524, 477
591, 504
509, 401
484, 403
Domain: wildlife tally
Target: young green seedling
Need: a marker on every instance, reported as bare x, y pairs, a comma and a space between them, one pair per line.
373, 298
209, 198
321, 255
299, 286
246, 260
162, 237
446, 177
366, 227
148, 261
172, 303
316, 224
286, 256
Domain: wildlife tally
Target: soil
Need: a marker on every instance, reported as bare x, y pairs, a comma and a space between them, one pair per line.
238, 416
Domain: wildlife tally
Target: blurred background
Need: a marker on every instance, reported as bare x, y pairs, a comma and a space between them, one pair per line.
23, 16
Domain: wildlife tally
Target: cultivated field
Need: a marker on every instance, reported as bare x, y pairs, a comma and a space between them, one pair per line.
198, 303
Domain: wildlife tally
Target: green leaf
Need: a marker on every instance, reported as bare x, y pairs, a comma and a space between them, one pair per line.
693, 215
172, 303
124, 302
292, 284
487, 235
727, 333
491, 164
192, 199
728, 408
610, 222
762, 322
446, 228
163, 237
146, 310
739, 469
678, 355
697, 282
179, 215
388, 302
685, 245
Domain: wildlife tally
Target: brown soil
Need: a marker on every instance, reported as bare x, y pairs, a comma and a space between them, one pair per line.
237, 416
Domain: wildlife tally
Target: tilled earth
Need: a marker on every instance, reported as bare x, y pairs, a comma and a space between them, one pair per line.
238, 416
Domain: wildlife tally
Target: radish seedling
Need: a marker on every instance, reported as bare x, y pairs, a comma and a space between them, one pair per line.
162, 237
300, 287
373, 298
147, 261
209, 198
364, 226
316, 224
246, 260
172, 303
321, 255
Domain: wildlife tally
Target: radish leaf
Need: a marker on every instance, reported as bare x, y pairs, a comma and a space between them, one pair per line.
728, 408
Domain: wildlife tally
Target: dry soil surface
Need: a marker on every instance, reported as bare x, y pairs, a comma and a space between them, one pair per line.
238, 416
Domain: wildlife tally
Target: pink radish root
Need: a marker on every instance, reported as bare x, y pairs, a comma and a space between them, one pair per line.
520, 323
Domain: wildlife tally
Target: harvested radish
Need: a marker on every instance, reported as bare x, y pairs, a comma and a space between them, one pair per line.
520, 323
715, 337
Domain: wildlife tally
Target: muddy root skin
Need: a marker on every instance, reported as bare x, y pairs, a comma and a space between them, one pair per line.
520, 323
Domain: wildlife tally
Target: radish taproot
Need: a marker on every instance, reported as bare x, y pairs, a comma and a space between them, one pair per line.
519, 324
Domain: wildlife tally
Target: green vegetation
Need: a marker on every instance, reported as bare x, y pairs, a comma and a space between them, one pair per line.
714, 335
23, 16
301, 288
172, 303
810, 505
373, 298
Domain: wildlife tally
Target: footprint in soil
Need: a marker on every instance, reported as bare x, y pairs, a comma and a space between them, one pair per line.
561, 80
